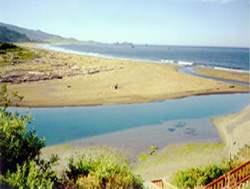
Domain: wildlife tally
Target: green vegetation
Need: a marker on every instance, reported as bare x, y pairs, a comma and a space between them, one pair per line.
102, 171
8, 47
152, 149
10, 53
201, 176
143, 157
32, 174
21, 166
194, 177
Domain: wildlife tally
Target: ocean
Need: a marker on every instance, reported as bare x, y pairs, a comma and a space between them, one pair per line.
211, 57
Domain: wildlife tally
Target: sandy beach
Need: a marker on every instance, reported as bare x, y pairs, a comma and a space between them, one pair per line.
77, 80
234, 130
228, 75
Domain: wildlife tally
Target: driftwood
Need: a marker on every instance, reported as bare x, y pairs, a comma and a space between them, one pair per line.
15, 79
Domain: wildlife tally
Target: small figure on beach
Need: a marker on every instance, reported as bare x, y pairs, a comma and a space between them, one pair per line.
116, 86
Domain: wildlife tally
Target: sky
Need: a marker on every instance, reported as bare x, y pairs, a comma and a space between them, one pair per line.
163, 22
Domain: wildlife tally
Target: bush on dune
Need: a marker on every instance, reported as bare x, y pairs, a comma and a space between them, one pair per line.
6, 47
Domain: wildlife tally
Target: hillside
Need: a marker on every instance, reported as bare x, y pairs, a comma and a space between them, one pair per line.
36, 35
7, 35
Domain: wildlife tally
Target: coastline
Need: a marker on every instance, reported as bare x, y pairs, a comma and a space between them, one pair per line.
52, 47
91, 81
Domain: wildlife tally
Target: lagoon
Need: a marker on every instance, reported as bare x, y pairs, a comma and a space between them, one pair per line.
65, 124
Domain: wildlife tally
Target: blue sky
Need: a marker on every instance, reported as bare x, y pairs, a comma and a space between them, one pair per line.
170, 22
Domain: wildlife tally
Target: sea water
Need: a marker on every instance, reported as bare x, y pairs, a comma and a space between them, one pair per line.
215, 57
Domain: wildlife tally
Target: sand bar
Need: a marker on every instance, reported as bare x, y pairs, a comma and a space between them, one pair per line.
222, 74
86, 80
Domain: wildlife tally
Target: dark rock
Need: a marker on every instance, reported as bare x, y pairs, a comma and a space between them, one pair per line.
15, 62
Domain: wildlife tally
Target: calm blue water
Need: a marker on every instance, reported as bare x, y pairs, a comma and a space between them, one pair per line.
233, 58
61, 125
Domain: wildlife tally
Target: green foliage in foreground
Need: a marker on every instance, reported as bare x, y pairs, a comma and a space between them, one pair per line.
102, 171
198, 176
32, 174
201, 176
17, 145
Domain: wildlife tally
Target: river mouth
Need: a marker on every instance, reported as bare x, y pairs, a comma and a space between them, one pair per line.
66, 124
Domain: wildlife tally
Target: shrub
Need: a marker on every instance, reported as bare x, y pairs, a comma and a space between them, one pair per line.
194, 177
31, 174
17, 145
102, 171
7, 46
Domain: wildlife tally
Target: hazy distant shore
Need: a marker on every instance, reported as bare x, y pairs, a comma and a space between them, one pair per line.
86, 80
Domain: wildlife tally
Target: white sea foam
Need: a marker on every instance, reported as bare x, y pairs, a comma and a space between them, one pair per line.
61, 49
183, 63
231, 70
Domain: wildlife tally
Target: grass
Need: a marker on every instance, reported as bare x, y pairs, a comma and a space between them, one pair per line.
143, 157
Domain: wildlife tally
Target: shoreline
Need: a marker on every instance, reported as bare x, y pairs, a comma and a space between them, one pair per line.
86, 81
180, 96
164, 61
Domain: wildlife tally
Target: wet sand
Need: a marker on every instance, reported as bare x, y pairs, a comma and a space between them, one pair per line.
138, 140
